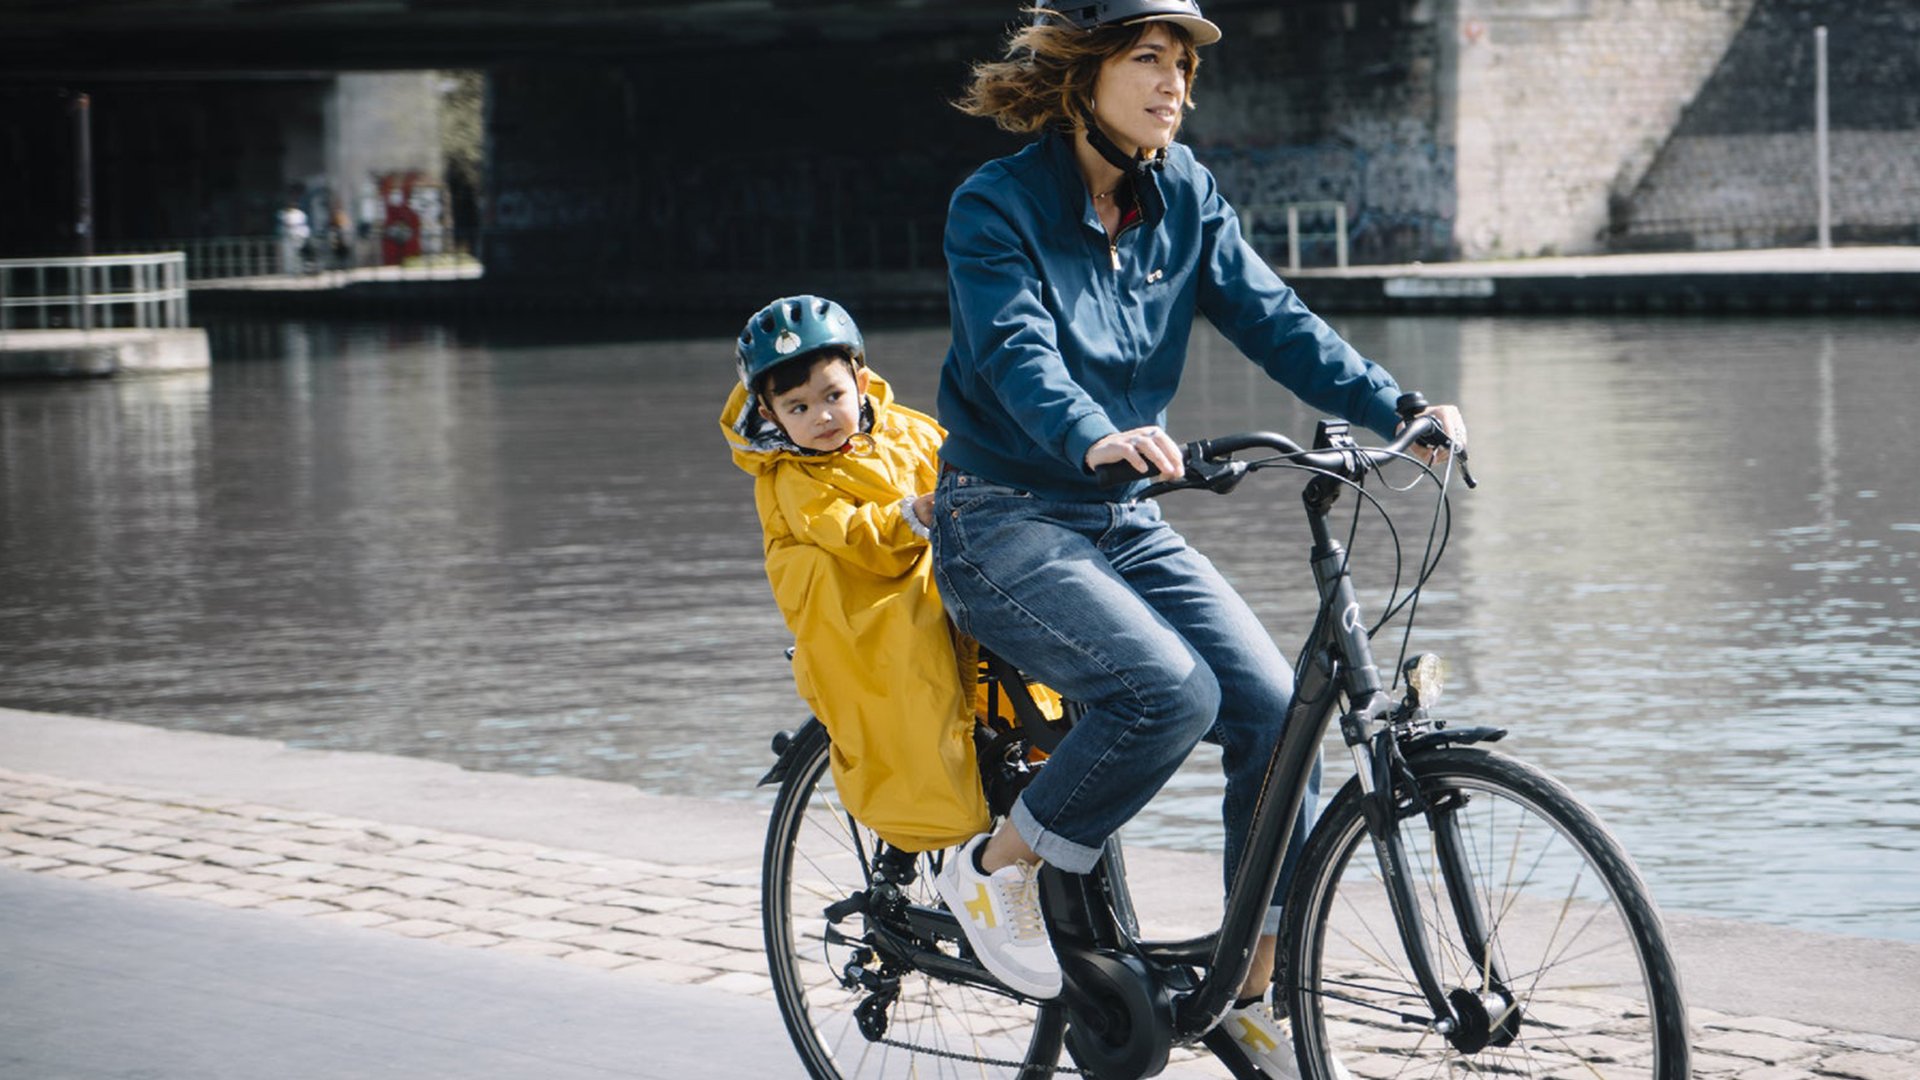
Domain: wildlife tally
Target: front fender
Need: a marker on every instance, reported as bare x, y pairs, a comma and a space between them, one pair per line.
1445, 737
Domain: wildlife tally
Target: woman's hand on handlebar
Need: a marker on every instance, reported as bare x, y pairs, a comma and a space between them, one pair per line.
1148, 450
1451, 422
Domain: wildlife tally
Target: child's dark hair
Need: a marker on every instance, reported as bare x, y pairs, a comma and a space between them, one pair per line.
781, 378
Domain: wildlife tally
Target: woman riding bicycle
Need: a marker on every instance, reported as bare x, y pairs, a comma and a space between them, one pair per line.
1076, 267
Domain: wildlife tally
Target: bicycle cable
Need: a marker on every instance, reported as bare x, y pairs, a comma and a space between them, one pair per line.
1442, 527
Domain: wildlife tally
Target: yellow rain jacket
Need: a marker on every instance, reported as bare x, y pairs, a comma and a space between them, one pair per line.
875, 656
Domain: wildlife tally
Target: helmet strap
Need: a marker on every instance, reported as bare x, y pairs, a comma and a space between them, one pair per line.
1138, 170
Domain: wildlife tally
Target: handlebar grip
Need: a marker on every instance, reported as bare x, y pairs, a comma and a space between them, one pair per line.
1117, 474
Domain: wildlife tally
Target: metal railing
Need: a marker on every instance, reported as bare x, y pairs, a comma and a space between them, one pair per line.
1264, 220
217, 258
103, 292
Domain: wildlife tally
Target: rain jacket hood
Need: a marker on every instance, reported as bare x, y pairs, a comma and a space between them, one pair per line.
875, 656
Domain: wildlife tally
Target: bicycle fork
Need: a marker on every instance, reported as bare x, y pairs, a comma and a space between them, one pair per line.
1470, 1019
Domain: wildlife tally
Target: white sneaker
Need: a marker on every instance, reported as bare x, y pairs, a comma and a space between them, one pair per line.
1268, 1043
1000, 913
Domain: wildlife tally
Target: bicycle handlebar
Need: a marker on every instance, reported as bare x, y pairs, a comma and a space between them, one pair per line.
1207, 464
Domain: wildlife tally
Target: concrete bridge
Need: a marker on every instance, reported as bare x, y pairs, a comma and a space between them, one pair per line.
809, 140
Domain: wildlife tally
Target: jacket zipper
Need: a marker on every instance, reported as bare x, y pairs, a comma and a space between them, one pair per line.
1113, 244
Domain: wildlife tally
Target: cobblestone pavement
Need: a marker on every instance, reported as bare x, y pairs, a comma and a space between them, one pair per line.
672, 923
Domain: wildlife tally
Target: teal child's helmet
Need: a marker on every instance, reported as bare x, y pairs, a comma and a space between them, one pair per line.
792, 327
1093, 14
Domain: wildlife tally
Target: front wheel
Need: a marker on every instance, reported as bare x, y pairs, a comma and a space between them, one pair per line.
1541, 933
834, 905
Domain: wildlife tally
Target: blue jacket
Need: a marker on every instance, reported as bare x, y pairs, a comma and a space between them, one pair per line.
1060, 339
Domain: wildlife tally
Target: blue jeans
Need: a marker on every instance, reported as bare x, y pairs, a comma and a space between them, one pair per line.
1105, 603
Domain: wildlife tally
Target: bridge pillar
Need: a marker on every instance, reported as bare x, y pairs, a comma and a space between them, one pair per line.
1561, 106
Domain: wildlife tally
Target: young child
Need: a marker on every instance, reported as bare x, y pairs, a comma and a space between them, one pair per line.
843, 479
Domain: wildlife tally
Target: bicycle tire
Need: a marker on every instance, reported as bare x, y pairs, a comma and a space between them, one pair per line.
817, 855
1590, 987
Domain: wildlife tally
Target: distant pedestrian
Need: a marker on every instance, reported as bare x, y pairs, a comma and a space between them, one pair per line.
340, 238
296, 237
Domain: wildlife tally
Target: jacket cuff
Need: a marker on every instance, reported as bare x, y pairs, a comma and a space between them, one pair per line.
913, 521
1086, 431
1381, 418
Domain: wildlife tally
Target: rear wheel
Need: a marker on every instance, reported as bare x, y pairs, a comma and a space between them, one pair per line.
829, 891
1577, 981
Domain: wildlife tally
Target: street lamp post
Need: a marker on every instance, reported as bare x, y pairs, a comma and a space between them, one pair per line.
1821, 178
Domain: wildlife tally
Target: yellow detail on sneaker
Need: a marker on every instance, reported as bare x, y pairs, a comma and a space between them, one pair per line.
1251, 1036
981, 907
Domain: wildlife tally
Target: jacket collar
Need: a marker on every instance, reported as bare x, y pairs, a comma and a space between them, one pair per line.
1057, 151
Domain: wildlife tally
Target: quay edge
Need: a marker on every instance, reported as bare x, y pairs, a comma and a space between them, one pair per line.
1779, 281
56, 354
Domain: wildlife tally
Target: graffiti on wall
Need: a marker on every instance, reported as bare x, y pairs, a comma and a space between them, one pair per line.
1399, 195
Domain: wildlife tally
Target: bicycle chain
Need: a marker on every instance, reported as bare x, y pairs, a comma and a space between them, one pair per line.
955, 1055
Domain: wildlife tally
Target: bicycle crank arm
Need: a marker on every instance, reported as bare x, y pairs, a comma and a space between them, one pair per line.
930, 924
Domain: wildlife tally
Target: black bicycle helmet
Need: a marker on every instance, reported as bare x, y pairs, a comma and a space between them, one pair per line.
1092, 14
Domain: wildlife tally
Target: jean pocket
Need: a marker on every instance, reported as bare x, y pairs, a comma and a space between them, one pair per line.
968, 491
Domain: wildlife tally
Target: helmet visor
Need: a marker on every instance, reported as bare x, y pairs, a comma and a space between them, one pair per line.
1203, 31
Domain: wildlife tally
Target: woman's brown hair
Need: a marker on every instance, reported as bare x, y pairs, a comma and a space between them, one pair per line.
1048, 72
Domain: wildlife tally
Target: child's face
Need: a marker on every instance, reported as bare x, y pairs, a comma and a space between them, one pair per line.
823, 412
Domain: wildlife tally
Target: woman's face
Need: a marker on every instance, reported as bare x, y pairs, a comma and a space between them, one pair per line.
1141, 92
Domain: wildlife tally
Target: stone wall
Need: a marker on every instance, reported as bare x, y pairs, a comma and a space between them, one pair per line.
1343, 102
1562, 107
833, 156
1446, 128
1739, 170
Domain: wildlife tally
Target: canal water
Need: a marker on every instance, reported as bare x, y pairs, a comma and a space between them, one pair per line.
1689, 583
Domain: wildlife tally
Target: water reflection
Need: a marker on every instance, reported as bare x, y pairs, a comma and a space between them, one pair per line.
1688, 583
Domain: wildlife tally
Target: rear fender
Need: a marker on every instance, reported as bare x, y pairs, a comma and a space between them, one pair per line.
791, 746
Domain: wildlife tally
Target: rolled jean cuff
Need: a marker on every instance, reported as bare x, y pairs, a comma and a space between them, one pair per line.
1053, 849
1270, 922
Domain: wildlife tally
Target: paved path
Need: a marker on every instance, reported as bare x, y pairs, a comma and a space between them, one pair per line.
103, 983
580, 878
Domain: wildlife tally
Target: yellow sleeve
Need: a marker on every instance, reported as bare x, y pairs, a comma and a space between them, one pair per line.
873, 536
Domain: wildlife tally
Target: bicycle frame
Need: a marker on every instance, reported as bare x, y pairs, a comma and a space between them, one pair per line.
1459, 889
1134, 999
1338, 663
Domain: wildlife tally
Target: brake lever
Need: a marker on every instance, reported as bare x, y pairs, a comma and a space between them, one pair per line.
1218, 477
1439, 440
